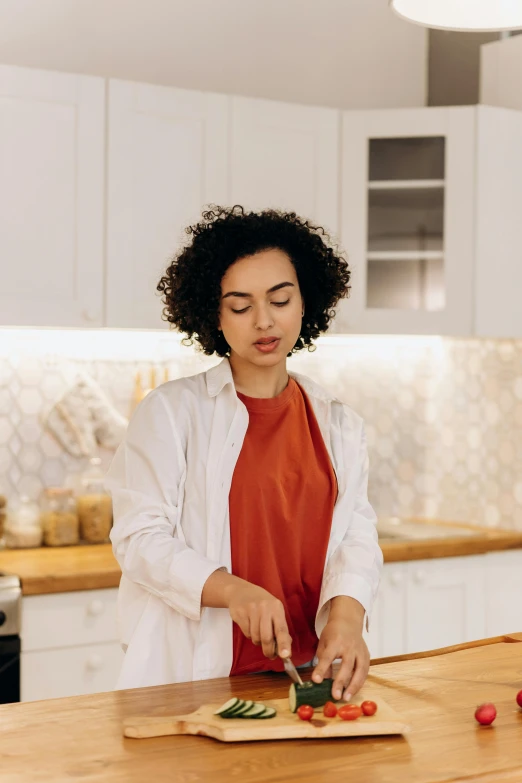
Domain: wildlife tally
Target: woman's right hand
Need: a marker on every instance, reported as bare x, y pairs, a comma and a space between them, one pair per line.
261, 617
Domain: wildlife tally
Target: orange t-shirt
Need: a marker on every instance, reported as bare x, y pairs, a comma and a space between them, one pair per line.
281, 504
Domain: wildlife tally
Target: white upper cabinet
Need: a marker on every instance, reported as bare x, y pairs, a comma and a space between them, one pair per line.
167, 158
430, 207
285, 156
51, 198
498, 276
407, 220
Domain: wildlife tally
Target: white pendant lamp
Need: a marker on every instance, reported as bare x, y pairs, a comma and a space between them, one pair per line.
470, 15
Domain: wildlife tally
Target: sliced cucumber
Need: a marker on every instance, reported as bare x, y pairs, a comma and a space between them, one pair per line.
270, 712
256, 711
240, 711
234, 710
312, 693
229, 705
239, 708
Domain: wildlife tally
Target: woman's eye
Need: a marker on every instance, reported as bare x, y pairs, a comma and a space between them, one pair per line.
277, 304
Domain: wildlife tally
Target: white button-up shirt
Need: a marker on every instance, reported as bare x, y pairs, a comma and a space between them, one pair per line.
170, 481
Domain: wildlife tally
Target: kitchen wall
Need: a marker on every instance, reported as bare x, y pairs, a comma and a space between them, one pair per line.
500, 73
351, 54
443, 416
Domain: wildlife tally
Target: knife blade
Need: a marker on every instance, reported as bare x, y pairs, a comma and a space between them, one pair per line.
292, 671
289, 667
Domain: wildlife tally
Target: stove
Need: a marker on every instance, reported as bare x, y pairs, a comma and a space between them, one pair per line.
10, 621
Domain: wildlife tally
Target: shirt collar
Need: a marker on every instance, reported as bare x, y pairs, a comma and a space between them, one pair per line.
220, 376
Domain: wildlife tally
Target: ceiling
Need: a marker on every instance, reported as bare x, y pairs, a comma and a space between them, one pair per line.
348, 53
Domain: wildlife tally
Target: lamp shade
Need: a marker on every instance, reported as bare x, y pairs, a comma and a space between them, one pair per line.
471, 15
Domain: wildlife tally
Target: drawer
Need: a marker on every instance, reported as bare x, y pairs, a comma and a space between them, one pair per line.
73, 671
69, 619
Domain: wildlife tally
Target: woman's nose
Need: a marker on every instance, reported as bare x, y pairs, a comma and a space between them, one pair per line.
263, 319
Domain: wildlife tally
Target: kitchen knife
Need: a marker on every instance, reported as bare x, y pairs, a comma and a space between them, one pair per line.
289, 667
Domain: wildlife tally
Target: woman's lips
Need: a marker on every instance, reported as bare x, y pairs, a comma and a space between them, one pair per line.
267, 347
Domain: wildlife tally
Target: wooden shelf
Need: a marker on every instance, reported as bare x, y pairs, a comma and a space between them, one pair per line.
404, 184
405, 255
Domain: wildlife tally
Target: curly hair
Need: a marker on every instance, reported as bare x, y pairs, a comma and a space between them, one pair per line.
191, 285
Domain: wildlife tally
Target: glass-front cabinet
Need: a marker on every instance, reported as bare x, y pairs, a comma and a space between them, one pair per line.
407, 221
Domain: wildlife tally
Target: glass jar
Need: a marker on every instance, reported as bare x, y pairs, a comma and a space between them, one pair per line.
23, 528
3, 515
59, 517
94, 505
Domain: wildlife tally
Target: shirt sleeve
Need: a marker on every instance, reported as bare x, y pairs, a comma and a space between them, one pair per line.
355, 567
144, 481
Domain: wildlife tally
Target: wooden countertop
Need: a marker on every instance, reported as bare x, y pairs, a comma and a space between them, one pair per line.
63, 569
65, 739
484, 540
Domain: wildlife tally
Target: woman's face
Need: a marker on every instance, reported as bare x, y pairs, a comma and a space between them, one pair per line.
261, 301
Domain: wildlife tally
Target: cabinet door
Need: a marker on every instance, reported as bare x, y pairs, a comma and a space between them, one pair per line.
446, 601
498, 276
71, 671
285, 156
167, 158
51, 196
69, 619
407, 220
503, 593
387, 635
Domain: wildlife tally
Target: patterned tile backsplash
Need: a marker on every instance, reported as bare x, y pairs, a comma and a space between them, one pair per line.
443, 416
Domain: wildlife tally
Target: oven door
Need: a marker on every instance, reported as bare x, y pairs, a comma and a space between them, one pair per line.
9, 669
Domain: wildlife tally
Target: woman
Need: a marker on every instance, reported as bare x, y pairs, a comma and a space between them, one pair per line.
241, 519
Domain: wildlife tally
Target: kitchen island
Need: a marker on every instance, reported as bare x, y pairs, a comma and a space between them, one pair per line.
436, 693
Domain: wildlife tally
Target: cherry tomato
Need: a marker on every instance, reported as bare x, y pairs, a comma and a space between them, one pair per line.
349, 712
486, 714
519, 698
330, 710
369, 708
305, 712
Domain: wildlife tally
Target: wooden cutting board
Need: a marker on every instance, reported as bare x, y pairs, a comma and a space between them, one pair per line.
285, 725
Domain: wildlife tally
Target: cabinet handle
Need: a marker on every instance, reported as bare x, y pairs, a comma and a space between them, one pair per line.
94, 662
95, 607
90, 314
419, 575
396, 579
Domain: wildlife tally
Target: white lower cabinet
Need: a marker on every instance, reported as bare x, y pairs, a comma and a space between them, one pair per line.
69, 644
387, 635
503, 586
425, 604
445, 602
70, 671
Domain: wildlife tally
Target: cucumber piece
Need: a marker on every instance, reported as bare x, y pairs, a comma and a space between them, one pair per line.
312, 693
229, 705
240, 711
256, 711
231, 713
270, 712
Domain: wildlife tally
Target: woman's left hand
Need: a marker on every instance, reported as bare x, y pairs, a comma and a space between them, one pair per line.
342, 638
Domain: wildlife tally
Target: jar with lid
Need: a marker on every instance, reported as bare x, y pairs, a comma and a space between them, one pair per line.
23, 528
59, 517
3, 516
94, 505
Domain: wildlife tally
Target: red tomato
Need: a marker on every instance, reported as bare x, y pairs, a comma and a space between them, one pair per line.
369, 707
349, 712
519, 698
330, 710
305, 712
486, 714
